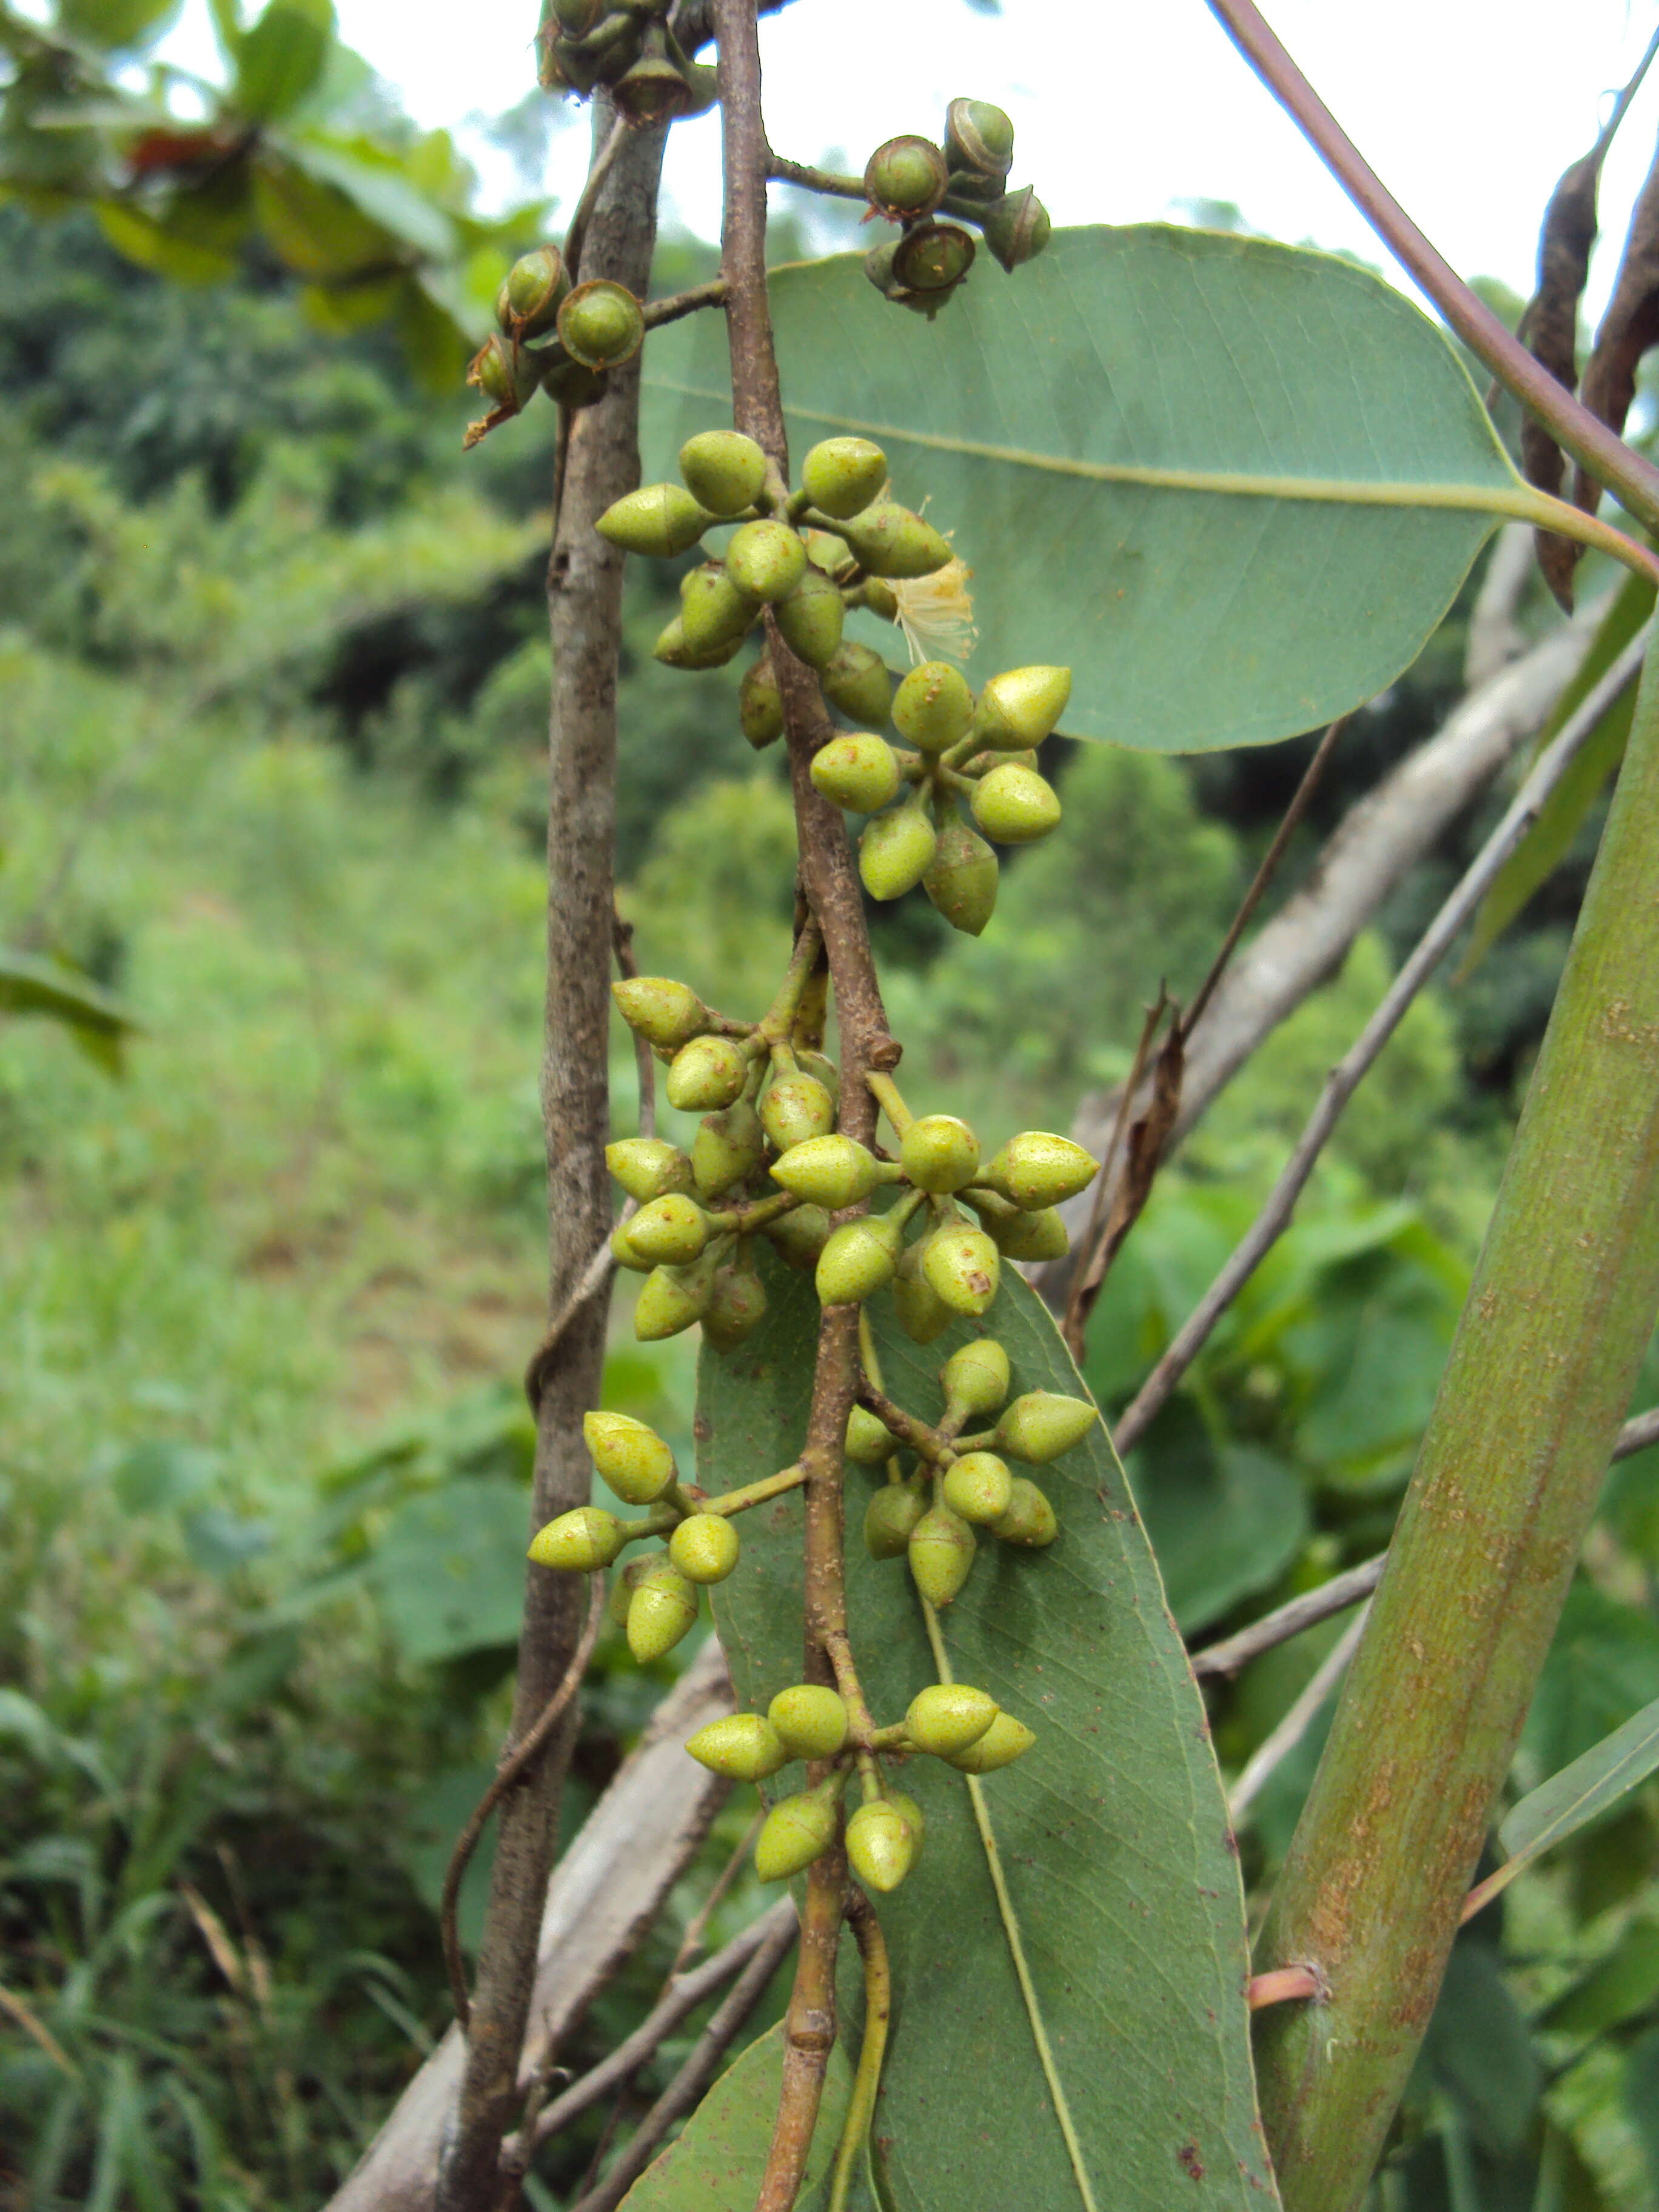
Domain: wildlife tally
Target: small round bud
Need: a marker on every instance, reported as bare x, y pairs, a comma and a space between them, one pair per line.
528, 302
962, 1266
647, 1168
858, 681
841, 476
663, 1609
922, 1313
1002, 1743
829, 1171
859, 772
663, 1012
812, 618
1021, 707
890, 1518
933, 259
601, 324
707, 1074
890, 541
727, 1149
857, 1260
978, 1487
580, 1542
1015, 805
760, 705
766, 559
962, 878
743, 1747
810, 1720
723, 470
672, 1299
941, 1554
673, 649
1016, 227
912, 1812
869, 1441
674, 1228
661, 519
627, 1582
796, 1831
1038, 1168
795, 1108
939, 1152
1029, 1520
632, 1458
737, 1301
1018, 1235
896, 851
933, 706
713, 613
1042, 1425
799, 1238
705, 1547
948, 1716
907, 176
975, 1378
881, 1845
623, 1253
978, 139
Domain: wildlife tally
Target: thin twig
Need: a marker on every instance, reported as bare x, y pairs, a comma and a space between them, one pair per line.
1088, 1270
828, 182
513, 1767
1283, 1984
1431, 949
679, 305
1277, 1747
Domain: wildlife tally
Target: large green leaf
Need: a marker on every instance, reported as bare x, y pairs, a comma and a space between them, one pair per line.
1111, 1835
1233, 484
716, 2163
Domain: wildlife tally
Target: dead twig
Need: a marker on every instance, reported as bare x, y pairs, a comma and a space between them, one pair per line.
1277, 1747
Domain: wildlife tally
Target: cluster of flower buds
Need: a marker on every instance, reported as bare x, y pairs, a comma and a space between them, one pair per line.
554, 336
912, 181
963, 1727
627, 46
961, 1484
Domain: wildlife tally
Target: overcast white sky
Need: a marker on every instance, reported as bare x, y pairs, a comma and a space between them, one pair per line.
1470, 108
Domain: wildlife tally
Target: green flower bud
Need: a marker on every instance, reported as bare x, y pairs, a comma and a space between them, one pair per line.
941, 1554
528, 302
1002, 1743
661, 519
933, 706
810, 1720
962, 878
881, 601
737, 1301
890, 1518
663, 1012
933, 259
859, 772
939, 1152
580, 1542
672, 1299
896, 851
857, 1260
810, 619
713, 613
922, 1313
978, 1487
632, 1458
743, 1747
796, 1831
830, 1171
979, 138
1021, 707
890, 541
647, 1168
907, 176
869, 1441
727, 1149
760, 705
601, 324
1015, 806
1016, 1235
948, 1716
566, 383
881, 1845
1042, 1425
705, 1547
708, 1072
663, 1609
674, 650
820, 1064
623, 1253
841, 476
912, 1813
1029, 1520
723, 470
799, 1238
766, 559
1038, 1168
674, 1228
627, 1582
1016, 227
963, 1267
858, 681
975, 1378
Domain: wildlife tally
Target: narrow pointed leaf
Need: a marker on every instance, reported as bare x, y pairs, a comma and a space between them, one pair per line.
1233, 485
1580, 1793
1110, 1835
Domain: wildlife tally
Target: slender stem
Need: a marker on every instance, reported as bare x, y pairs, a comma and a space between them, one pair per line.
828, 182
878, 2012
1607, 458
862, 1731
885, 1092
1282, 1986
679, 305
1088, 1271
755, 1493
930, 1443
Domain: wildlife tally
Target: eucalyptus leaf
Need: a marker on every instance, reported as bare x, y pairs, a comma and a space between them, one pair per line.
1233, 485
1581, 1793
1111, 1835
716, 2163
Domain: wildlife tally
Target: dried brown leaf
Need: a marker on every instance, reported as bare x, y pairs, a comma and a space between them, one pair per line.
1629, 327
1550, 328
